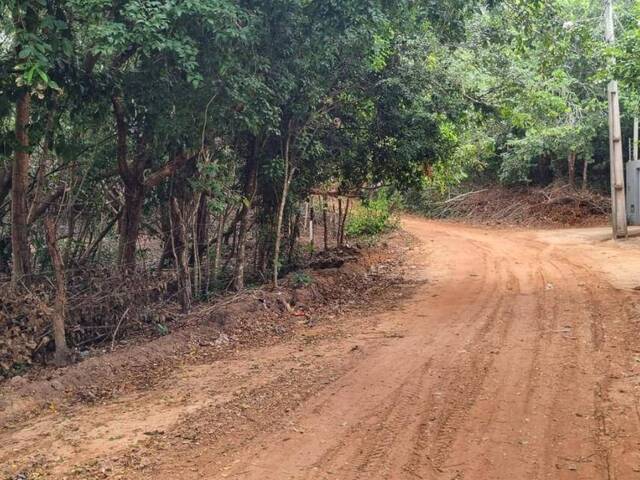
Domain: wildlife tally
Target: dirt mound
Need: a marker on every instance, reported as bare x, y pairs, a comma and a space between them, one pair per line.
554, 206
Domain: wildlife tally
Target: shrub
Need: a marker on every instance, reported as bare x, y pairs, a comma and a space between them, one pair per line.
372, 218
301, 279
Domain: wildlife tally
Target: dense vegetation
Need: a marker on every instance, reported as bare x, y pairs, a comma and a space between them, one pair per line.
205, 126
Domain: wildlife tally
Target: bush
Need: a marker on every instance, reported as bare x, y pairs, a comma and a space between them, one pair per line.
371, 218
301, 279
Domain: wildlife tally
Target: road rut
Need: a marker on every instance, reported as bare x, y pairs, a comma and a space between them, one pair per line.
516, 357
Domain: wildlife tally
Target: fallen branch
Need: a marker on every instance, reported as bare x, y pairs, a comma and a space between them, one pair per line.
464, 195
115, 332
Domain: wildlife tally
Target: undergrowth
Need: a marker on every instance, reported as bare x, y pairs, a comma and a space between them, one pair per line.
373, 217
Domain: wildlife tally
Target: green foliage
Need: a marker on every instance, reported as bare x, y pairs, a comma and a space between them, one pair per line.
162, 329
263, 98
301, 279
351, 95
532, 94
373, 217
627, 66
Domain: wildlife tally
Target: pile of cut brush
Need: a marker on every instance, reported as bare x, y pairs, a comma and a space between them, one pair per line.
24, 325
106, 308
553, 206
102, 308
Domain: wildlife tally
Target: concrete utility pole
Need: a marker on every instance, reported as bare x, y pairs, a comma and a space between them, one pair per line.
618, 202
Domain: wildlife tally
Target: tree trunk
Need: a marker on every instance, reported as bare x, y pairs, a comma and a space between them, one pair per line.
133, 191
332, 219
325, 226
181, 254
571, 164
343, 222
202, 233
218, 254
135, 184
250, 184
5, 183
130, 225
339, 229
165, 225
21, 253
195, 254
288, 176
263, 247
60, 309
238, 281
585, 174
312, 218
542, 173
38, 190
295, 233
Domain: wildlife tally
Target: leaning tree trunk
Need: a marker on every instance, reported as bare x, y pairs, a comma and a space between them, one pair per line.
95, 244
60, 310
571, 165
343, 223
21, 254
288, 176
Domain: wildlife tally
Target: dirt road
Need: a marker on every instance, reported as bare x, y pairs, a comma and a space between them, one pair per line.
517, 356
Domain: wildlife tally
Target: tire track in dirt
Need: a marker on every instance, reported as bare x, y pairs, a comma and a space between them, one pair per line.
516, 360
533, 428
462, 386
617, 426
571, 446
517, 290
365, 448
375, 453
457, 385
363, 453
511, 385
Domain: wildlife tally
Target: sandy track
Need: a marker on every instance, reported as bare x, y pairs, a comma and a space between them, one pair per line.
518, 358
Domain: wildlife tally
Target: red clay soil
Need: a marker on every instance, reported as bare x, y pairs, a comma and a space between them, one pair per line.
511, 355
